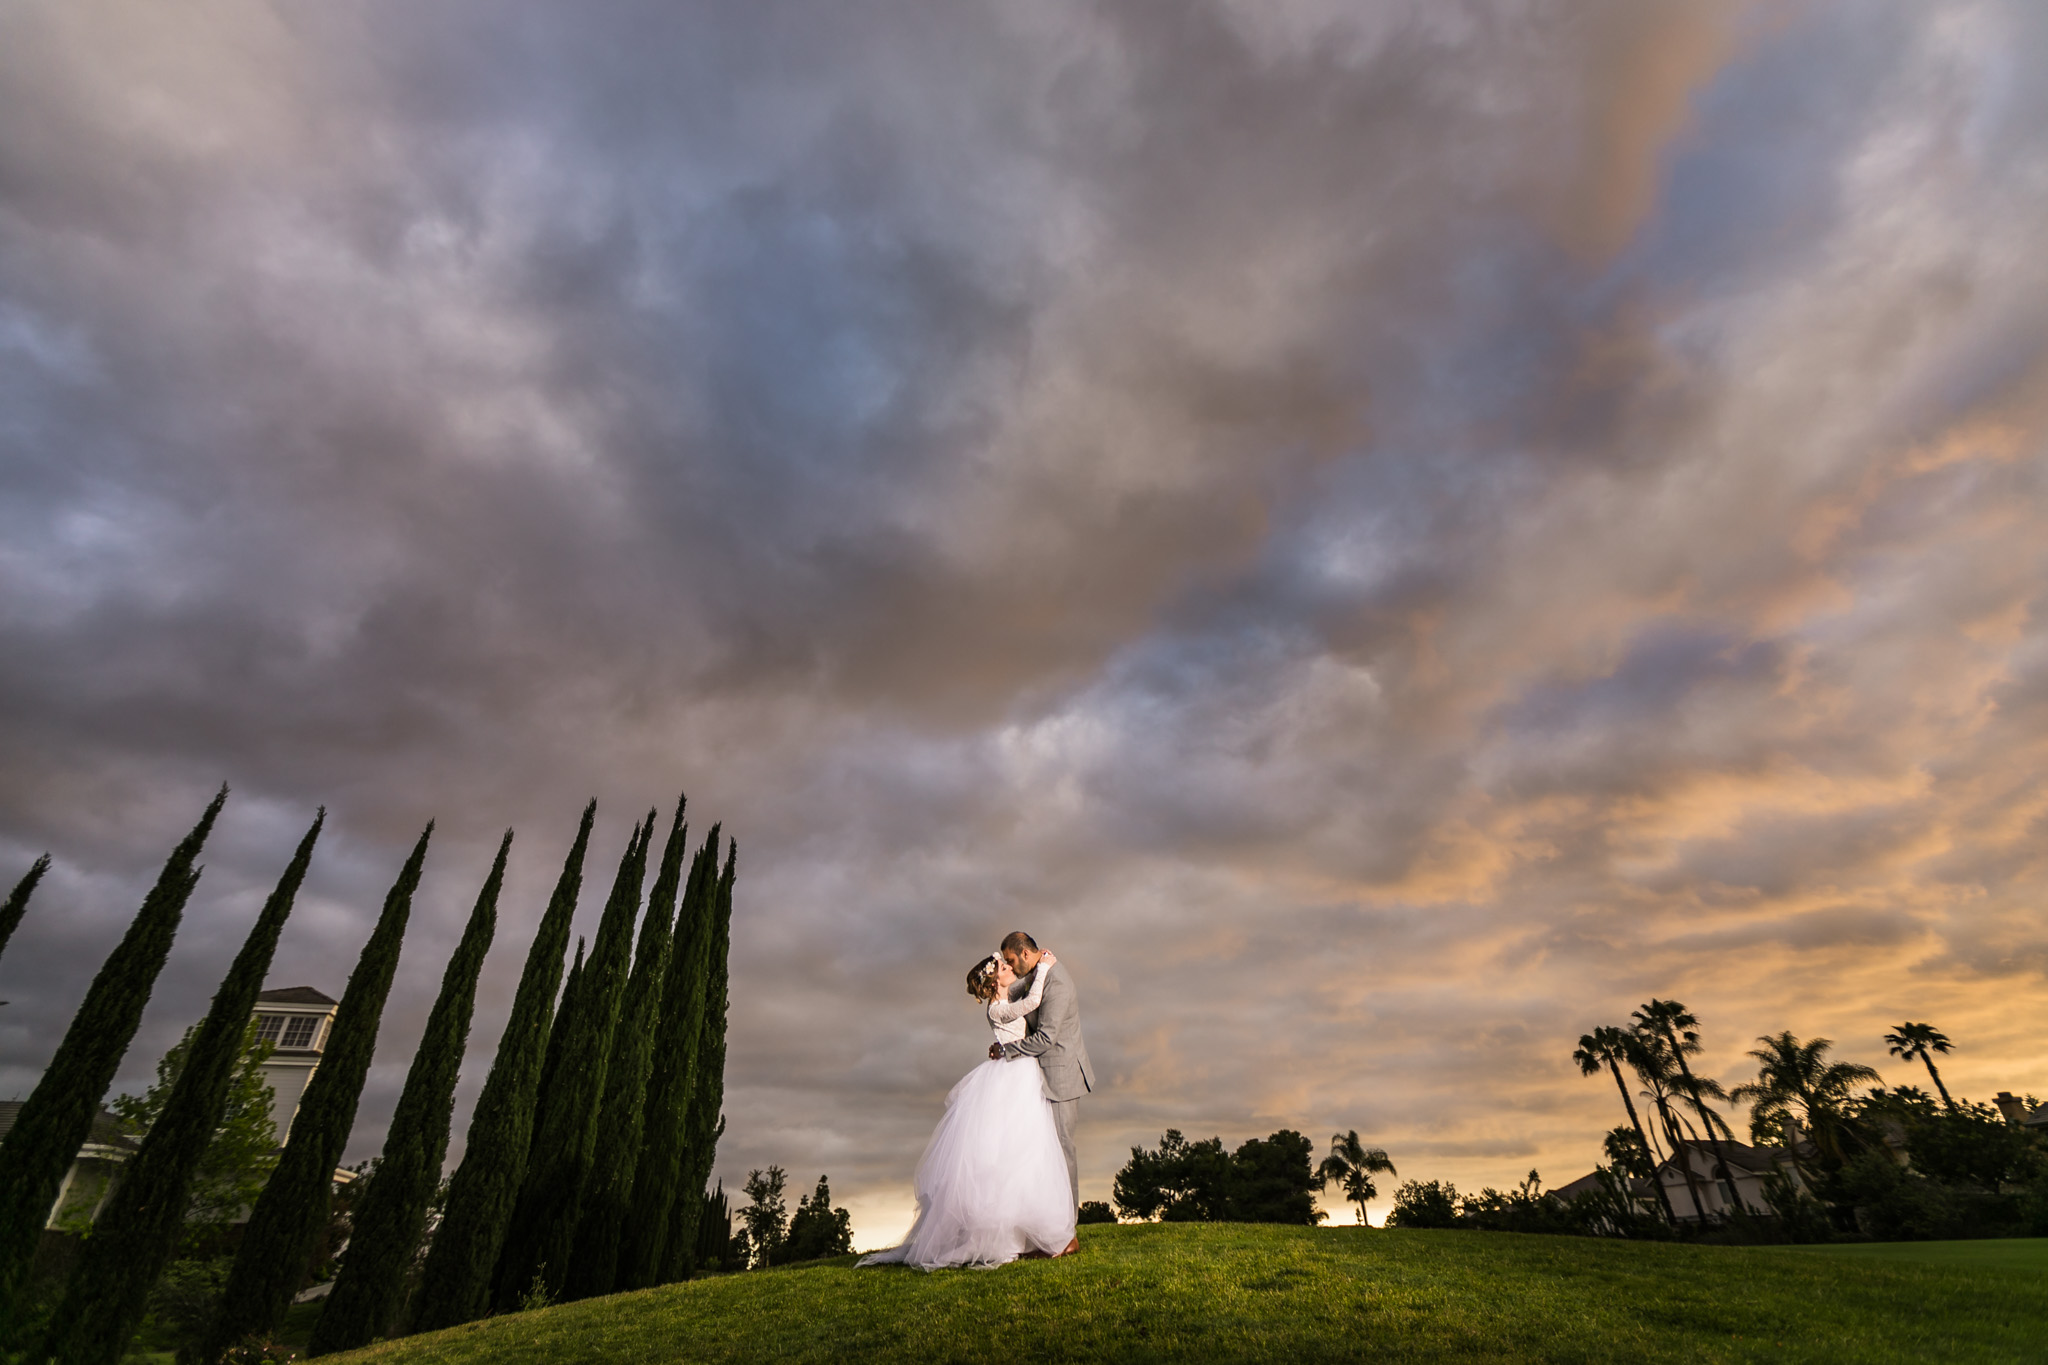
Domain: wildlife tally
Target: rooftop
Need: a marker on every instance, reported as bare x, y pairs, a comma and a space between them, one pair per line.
106, 1129
296, 995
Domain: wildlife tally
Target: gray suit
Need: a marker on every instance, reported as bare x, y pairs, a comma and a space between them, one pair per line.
1053, 1036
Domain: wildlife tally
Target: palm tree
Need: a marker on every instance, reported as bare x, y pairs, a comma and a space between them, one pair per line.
1679, 1028
1608, 1047
1353, 1164
1910, 1040
1796, 1080
1650, 1059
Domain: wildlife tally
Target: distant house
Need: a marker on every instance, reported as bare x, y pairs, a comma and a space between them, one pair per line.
2017, 1110
296, 1021
91, 1177
1747, 1167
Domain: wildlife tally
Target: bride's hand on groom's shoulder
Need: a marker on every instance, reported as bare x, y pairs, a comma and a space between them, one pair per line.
995, 1052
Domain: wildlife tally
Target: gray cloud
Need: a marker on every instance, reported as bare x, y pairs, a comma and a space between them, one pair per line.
1387, 539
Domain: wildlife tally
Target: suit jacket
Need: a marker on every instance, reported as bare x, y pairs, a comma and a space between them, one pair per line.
1053, 1036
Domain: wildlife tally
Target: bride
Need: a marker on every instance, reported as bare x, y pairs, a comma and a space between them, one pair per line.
992, 1184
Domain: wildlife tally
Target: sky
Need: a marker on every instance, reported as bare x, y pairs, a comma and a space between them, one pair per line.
1387, 535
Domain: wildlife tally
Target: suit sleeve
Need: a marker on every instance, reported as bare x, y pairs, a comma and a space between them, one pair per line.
1054, 1015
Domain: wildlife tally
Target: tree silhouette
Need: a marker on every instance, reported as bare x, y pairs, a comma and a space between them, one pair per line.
1679, 1028
1796, 1080
1608, 1046
1910, 1040
1352, 1165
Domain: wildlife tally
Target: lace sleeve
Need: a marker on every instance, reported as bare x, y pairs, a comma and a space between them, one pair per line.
1007, 1011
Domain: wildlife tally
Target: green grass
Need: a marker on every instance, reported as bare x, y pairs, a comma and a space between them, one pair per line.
1239, 1293
2001, 1253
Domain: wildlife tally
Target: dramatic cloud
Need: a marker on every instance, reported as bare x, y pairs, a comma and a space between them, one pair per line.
1387, 538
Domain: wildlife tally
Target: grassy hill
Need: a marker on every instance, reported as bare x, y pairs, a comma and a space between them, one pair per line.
1231, 1293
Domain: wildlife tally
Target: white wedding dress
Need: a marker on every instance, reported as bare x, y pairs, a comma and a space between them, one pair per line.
992, 1184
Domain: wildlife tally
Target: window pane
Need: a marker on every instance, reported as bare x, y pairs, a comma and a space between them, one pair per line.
268, 1025
299, 1032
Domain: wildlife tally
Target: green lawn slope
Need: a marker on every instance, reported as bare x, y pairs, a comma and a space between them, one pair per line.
1236, 1292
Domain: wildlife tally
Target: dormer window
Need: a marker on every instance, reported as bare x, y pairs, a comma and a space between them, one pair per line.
288, 1032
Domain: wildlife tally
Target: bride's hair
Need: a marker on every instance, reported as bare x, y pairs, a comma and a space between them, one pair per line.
981, 979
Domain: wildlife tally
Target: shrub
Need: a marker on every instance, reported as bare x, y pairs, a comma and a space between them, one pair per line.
1096, 1211
1425, 1204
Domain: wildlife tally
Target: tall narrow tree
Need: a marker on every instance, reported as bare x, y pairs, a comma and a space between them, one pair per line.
52, 1125
17, 900
386, 1222
558, 1039
543, 1232
456, 1281
1910, 1040
137, 1228
1679, 1029
594, 1266
278, 1242
705, 1123
1651, 1059
658, 1174
1607, 1046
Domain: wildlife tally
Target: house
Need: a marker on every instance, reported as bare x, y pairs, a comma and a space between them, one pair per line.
91, 1177
296, 1021
1748, 1167
2017, 1110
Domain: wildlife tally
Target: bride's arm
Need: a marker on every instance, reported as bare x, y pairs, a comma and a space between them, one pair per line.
1004, 1011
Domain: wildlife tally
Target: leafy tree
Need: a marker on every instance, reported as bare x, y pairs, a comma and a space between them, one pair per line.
456, 1280
542, 1237
1974, 1144
293, 1212
1271, 1181
16, 904
1096, 1211
607, 1204
388, 1217
54, 1122
1678, 1027
1609, 1047
1181, 1182
1352, 1165
816, 1229
1910, 1040
1796, 1081
243, 1149
1425, 1204
766, 1216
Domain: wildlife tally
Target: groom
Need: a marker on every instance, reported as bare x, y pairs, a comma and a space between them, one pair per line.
1054, 1038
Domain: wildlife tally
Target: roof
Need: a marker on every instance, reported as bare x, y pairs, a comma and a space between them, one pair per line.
296, 995
106, 1129
1741, 1156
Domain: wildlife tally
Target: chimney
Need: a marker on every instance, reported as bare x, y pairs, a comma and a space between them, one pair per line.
2012, 1106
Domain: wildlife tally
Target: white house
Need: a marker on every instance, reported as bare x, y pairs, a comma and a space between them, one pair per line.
296, 1021
91, 1177
1747, 1167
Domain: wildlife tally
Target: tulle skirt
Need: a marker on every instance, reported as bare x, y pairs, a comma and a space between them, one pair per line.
992, 1183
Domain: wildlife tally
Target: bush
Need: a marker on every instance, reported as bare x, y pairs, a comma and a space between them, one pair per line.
1096, 1211
816, 1229
181, 1306
1425, 1204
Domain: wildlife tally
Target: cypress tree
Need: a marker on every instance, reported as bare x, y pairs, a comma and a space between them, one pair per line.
386, 1222
558, 1038
593, 1268
294, 1205
455, 1285
51, 1127
705, 1124
544, 1221
138, 1227
657, 1176
17, 900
